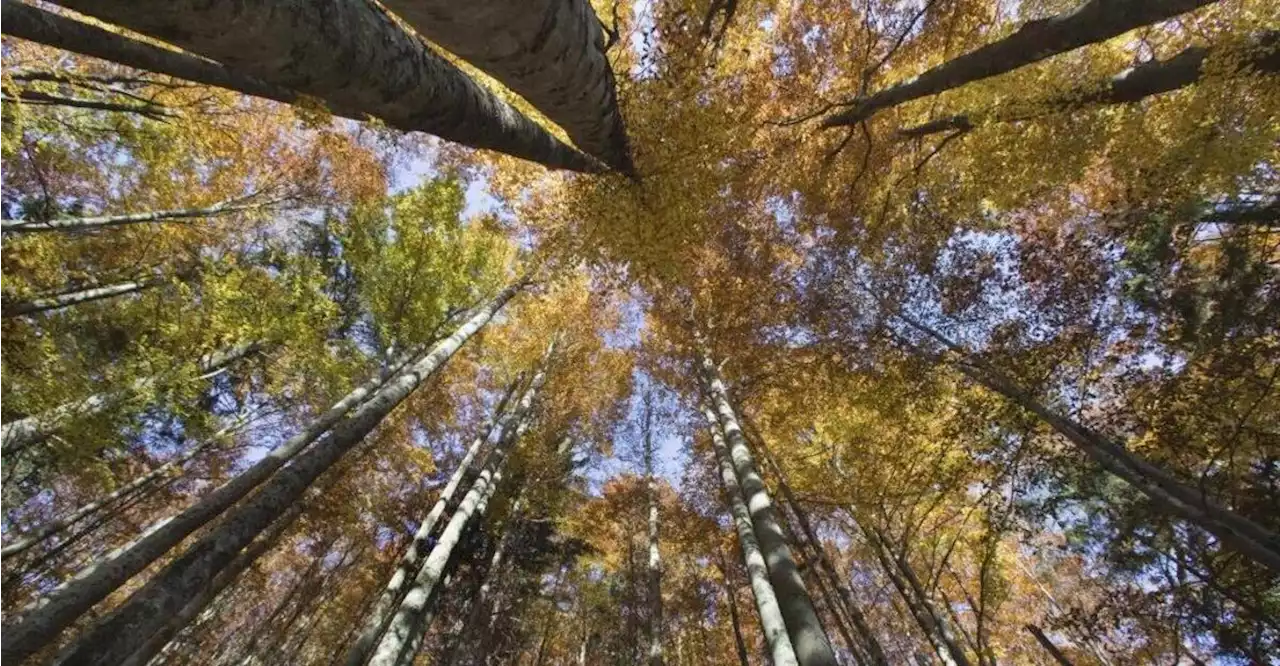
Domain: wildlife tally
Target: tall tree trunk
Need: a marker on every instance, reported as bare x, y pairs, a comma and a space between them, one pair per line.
654, 566
304, 582
868, 640
803, 625
402, 638
29, 430
1154, 77
772, 625
71, 224
732, 594
904, 579
144, 654
550, 52
352, 56
1048, 645
1093, 21
37, 25
61, 523
1165, 491
375, 622
132, 623
67, 299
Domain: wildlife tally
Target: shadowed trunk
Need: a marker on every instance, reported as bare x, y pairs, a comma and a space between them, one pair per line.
105, 221
804, 627
550, 52
37, 25
1094, 21
67, 299
19, 434
1048, 645
772, 625
1132, 85
350, 55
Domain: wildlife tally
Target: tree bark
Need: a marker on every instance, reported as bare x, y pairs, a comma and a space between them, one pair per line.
772, 624
400, 642
654, 566
67, 299
106, 221
29, 430
803, 625
1048, 645
376, 621
37, 25
1165, 491
39, 98
132, 623
1093, 21
550, 52
350, 55
1154, 77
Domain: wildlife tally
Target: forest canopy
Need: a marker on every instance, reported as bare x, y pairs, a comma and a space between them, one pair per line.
683, 332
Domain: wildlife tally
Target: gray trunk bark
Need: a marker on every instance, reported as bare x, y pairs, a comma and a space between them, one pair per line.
17, 435
1093, 21
654, 567
69, 298
1048, 645
403, 636
550, 52
350, 55
37, 25
106, 221
1132, 85
771, 623
376, 621
803, 625
126, 628
1165, 491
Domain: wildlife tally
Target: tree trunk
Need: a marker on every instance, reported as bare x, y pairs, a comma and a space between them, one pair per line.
654, 567
39, 98
26, 431
262, 544
1132, 85
772, 625
37, 25
803, 625
1094, 21
400, 642
126, 628
550, 52
731, 593
67, 299
376, 621
1165, 491
105, 221
1048, 645
350, 55
60, 524
868, 640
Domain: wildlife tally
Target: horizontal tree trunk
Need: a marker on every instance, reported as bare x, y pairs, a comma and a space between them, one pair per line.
1135, 84
24, 432
37, 25
550, 52
105, 221
145, 611
39, 98
67, 299
1093, 21
350, 55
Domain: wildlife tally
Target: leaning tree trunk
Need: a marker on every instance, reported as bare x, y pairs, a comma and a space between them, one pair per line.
1165, 491
352, 56
17, 435
1094, 21
772, 624
72, 224
67, 299
37, 25
730, 592
379, 615
1155, 77
1048, 645
803, 625
144, 654
400, 642
550, 52
145, 611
